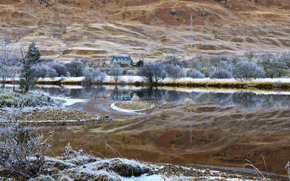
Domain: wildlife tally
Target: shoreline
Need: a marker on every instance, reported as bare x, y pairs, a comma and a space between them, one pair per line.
137, 81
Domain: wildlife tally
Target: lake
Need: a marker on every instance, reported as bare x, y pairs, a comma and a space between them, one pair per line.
221, 127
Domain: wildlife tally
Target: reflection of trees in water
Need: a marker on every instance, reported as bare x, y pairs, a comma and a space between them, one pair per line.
175, 97
284, 100
275, 100
222, 99
115, 94
94, 92
56, 91
152, 94
120, 94
243, 100
200, 97
76, 93
195, 95
247, 100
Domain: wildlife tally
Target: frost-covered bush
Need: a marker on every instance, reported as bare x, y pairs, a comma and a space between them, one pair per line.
60, 69
218, 59
94, 76
203, 65
116, 71
173, 60
285, 57
22, 154
174, 71
273, 66
247, 71
132, 72
43, 70
153, 72
221, 74
31, 98
195, 74
75, 68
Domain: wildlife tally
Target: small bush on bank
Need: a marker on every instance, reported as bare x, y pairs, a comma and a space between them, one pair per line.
221, 74
247, 71
174, 72
94, 76
195, 74
75, 68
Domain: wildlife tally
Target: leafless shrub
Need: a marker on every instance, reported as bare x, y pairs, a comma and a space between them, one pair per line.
221, 74
21, 152
195, 74
247, 71
94, 76
218, 59
174, 71
153, 72
173, 60
251, 55
285, 57
273, 66
116, 71
7, 63
203, 65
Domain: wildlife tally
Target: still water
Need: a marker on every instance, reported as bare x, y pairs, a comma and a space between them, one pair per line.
242, 99
228, 127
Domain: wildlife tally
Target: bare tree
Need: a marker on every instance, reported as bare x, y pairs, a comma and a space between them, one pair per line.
248, 71
195, 74
153, 72
5, 61
174, 72
250, 55
221, 74
203, 65
116, 71
94, 76
273, 66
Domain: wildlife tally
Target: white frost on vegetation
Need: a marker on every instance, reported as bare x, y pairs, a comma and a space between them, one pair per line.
144, 177
69, 101
113, 106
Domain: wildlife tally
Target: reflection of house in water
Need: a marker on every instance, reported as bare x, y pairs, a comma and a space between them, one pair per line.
117, 94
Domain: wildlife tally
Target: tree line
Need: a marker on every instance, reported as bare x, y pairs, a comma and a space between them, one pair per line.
29, 66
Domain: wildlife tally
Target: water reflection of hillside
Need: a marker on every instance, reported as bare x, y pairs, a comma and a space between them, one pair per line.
243, 100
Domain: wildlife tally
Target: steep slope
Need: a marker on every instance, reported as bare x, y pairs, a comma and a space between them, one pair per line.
147, 28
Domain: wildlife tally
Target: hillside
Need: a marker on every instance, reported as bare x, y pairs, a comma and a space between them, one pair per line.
149, 29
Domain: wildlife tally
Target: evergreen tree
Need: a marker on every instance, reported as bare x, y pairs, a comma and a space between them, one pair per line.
28, 78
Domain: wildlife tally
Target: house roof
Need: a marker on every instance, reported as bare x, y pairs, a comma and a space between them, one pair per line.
120, 58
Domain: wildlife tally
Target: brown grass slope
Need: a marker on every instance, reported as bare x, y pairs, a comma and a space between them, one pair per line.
148, 28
